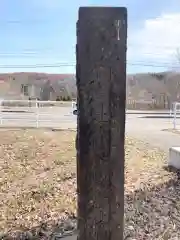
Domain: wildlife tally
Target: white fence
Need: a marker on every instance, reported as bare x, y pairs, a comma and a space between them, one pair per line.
73, 104
24, 113
175, 114
143, 104
52, 114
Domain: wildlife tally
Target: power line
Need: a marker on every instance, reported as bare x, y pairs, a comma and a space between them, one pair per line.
156, 58
57, 65
39, 53
151, 44
153, 65
129, 45
55, 51
38, 20
25, 21
135, 46
140, 62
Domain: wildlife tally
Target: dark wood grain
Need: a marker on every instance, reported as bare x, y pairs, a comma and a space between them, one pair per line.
101, 84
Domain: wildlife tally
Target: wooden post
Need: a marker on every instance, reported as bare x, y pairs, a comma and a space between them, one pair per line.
101, 84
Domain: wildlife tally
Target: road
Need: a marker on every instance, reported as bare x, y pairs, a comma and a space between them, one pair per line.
152, 128
148, 126
60, 117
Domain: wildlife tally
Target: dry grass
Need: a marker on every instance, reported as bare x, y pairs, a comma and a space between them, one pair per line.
37, 178
144, 165
152, 197
38, 184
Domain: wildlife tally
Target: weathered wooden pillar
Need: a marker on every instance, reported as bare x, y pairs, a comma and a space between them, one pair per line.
101, 84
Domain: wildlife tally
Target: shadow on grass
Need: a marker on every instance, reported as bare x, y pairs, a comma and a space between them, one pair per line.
151, 212
173, 170
52, 230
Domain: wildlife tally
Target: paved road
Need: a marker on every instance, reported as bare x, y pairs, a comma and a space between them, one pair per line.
150, 128
60, 117
49, 117
147, 126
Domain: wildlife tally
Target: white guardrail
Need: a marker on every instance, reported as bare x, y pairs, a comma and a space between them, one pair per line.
34, 113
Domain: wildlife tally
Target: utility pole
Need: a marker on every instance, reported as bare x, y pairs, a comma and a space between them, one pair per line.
101, 88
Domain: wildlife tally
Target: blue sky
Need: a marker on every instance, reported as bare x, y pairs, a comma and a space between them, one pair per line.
43, 32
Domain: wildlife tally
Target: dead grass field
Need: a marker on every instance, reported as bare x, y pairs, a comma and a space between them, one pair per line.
38, 186
37, 178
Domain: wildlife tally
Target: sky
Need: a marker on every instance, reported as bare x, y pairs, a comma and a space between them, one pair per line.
40, 35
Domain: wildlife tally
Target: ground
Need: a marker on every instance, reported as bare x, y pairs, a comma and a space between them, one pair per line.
38, 186
37, 178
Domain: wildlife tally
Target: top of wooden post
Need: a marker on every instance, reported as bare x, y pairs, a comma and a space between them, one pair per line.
110, 12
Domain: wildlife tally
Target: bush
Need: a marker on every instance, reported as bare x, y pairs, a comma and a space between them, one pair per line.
158, 76
67, 98
59, 98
